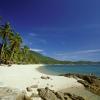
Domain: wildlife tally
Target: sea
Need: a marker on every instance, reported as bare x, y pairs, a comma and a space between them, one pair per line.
63, 69
81, 69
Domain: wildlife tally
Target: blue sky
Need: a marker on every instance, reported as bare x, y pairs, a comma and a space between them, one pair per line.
63, 29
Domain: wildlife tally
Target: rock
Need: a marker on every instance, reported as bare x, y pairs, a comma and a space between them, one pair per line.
8, 90
13, 94
29, 89
9, 65
23, 96
60, 95
88, 79
46, 94
34, 86
90, 82
45, 77
74, 97
83, 82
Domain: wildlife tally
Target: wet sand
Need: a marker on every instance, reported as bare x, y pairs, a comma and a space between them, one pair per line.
81, 91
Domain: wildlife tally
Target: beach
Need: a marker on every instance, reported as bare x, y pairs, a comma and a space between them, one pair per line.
22, 76
28, 78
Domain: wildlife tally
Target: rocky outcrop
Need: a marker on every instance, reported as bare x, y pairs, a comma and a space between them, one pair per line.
12, 94
47, 94
90, 82
74, 97
43, 94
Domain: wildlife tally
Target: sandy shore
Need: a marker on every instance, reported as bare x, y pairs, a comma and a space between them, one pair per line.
22, 76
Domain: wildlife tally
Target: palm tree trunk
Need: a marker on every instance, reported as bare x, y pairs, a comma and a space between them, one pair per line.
11, 56
2, 52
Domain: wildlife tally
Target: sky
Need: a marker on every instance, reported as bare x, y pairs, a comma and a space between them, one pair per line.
62, 29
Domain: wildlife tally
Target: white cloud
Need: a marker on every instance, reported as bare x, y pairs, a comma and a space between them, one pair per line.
33, 34
80, 52
37, 50
37, 38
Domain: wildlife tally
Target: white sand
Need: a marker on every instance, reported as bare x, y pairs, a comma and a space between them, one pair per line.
22, 76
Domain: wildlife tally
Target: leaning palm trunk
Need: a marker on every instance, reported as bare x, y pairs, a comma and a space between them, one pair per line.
11, 56
2, 52
12, 53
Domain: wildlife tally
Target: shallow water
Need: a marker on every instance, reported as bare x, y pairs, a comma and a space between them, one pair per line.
62, 69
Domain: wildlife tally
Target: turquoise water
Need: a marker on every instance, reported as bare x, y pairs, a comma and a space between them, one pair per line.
62, 69
84, 69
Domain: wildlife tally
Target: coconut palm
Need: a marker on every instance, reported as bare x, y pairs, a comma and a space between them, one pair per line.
5, 31
15, 42
6, 54
25, 52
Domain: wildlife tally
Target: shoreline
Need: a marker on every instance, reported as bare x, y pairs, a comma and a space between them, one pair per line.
22, 76
64, 69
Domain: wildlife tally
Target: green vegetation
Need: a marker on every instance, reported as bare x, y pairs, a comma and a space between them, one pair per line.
13, 51
10, 44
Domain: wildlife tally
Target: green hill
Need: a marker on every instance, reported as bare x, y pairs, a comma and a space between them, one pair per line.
36, 57
39, 58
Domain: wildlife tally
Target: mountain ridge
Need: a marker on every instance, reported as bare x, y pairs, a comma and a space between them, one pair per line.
48, 60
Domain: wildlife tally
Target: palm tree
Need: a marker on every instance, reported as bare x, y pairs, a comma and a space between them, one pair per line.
6, 54
15, 42
5, 31
25, 52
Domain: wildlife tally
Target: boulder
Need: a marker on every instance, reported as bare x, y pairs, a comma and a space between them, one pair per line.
46, 94
60, 95
83, 82
29, 89
45, 77
22, 96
